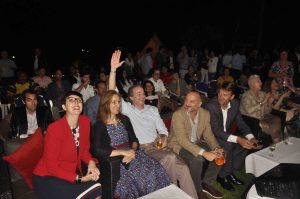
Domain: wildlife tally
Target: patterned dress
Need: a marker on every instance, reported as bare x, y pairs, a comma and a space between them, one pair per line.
144, 174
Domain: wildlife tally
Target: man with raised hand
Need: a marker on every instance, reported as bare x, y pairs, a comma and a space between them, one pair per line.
146, 122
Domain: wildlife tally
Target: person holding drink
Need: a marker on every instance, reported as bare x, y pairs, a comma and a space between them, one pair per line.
113, 135
192, 139
147, 124
224, 112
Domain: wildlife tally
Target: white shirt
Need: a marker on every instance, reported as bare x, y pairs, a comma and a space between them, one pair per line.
32, 124
158, 85
231, 138
146, 122
226, 60
85, 92
194, 125
212, 64
36, 63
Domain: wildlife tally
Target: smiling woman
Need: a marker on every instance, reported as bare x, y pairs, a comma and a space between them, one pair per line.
58, 169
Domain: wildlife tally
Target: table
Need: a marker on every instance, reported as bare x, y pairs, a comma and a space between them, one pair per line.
252, 194
169, 192
260, 162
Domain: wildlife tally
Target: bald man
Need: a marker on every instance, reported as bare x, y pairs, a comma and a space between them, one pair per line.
192, 139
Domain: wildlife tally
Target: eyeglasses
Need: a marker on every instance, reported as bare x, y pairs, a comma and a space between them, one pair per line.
73, 100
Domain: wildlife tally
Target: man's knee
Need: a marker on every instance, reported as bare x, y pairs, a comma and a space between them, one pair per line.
169, 157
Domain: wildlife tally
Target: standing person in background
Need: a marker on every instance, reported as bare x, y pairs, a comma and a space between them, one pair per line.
204, 66
7, 72
59, 174
39, 61
282, 70
129, 64
212, 65
183, 61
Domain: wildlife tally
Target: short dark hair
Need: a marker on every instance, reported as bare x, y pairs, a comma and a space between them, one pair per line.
28, 91
100, 82
64, 99
228, 86
84, 72
130, 90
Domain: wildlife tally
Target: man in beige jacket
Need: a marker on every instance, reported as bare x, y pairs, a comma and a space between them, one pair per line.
192, 139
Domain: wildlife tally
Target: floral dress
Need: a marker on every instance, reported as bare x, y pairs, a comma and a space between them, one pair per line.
143, 175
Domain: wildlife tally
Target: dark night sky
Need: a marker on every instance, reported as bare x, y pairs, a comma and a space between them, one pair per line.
63, 28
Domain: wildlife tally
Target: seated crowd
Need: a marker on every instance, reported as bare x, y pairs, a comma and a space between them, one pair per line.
122, 115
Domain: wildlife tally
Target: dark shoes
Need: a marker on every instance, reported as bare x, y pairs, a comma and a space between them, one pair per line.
224, 182
234, 180
201, 195
211, 191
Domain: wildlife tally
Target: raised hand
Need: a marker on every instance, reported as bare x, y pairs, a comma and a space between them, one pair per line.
115, 60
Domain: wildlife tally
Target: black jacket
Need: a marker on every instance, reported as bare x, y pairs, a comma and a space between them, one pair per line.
19, 122
233, 115
100, 140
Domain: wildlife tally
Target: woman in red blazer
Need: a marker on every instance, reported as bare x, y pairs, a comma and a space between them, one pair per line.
59, 174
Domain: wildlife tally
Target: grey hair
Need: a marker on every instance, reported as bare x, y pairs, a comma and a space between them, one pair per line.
251, 78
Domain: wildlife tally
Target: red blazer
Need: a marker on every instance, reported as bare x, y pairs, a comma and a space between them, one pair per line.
60, 154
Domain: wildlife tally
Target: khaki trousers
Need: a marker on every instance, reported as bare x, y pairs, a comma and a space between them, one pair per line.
175, 167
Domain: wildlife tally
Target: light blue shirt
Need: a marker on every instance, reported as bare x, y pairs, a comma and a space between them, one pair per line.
146, 122
91, 108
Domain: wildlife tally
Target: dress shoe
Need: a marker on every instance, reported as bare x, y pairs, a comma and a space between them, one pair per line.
225, 184
234, 180
211, 191
201, 195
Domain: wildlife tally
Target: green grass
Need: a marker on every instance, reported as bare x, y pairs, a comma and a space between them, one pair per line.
239, 192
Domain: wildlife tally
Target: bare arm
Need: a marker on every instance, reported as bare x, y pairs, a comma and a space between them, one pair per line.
114, 64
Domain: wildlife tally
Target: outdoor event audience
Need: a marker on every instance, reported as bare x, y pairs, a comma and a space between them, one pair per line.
130, 121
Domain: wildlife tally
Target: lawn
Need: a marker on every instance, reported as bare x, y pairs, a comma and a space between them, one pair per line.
239, 189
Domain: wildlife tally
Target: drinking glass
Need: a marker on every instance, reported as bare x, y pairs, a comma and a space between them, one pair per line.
272, 148
220, 159
286, 136
158, 143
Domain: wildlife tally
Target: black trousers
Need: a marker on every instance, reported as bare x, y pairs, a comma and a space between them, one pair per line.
235, 157
48, 187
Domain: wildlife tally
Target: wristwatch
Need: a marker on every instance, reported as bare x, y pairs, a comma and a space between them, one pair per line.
78, 179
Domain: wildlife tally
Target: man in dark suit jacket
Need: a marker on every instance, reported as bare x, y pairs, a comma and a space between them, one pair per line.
224, 113
26, 119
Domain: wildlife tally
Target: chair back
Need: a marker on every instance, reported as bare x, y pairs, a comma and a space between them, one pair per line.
202, 88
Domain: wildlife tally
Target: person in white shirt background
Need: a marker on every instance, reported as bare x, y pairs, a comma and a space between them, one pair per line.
84, 87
